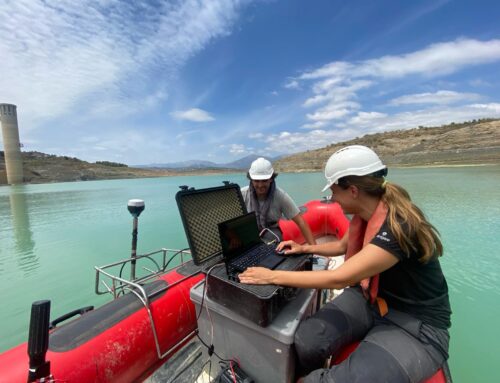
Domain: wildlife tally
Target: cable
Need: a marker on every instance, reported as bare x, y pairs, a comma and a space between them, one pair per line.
210, 348
273, 233
173, 256
202, 368
232, 371
211, 327
205, 287
184, 367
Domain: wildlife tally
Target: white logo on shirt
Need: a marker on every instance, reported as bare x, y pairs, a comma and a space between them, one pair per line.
383, 237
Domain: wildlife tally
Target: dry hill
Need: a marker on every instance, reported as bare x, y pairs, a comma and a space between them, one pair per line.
476, 142
45, 168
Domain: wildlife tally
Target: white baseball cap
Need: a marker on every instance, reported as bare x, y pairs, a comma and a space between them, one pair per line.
261, 169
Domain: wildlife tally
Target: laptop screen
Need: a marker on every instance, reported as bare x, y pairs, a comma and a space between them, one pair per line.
238, 235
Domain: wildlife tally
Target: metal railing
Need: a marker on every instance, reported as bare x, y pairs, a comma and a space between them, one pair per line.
117, 285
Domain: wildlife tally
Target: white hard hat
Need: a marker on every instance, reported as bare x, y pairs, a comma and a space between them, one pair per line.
354, 160
261, 169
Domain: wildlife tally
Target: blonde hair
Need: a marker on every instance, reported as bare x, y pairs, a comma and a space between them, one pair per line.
418, 235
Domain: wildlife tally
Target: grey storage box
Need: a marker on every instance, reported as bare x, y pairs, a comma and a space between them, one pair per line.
266, 354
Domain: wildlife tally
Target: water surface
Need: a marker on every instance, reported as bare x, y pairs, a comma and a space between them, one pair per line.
52, 235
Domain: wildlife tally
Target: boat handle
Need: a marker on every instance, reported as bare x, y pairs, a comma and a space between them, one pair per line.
64, 317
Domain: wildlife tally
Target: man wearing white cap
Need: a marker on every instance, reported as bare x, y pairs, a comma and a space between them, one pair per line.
270, 203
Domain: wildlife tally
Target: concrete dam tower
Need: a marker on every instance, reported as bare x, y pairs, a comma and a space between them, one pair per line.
11, 145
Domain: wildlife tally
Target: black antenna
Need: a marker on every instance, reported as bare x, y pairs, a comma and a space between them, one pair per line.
38, 340
135, 207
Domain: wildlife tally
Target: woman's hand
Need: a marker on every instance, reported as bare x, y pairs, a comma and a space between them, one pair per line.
256, 276
290, 247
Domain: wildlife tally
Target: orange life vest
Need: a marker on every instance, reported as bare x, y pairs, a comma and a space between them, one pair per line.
360, 234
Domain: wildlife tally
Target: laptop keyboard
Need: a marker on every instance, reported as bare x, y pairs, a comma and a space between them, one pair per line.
254, 257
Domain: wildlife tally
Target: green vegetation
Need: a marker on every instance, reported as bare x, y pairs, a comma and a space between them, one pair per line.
112, 164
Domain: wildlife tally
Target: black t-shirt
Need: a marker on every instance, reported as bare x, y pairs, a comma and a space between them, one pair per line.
411, 286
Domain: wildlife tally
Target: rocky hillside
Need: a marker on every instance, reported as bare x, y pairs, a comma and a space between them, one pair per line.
44, 168
455, 144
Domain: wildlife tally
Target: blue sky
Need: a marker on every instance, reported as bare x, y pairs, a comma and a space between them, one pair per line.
161, 81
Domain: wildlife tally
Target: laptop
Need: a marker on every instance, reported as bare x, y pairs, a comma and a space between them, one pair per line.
242, 246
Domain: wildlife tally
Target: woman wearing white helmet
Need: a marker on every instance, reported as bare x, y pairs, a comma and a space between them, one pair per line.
270, 203
398, 306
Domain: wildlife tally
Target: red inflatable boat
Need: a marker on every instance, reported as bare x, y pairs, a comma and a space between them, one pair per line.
127, 339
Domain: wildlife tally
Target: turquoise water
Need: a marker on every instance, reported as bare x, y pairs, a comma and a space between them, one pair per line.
51, 237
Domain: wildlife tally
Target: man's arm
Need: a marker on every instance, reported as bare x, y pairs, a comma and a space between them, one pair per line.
328, 249
304, 229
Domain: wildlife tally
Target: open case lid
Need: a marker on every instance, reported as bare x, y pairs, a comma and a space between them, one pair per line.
201, 211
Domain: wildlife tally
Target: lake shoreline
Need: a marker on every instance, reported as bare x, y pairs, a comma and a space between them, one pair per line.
235, 171
408, 167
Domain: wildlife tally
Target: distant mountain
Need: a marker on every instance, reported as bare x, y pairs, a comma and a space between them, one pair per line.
245, 162
192, 164
242, 163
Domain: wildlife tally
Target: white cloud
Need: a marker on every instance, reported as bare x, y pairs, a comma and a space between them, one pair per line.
333, 111
238, 149
440, 97
256, 135
434, 116
334, 69
479, 83
292, 84
335, 91
494, 108
194, 114
97, 56
256, 124
435, 60
187, 133
367, 118
128, 144
314, 125
339, 82
328, 84
89, 140
287, 142
374, 122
